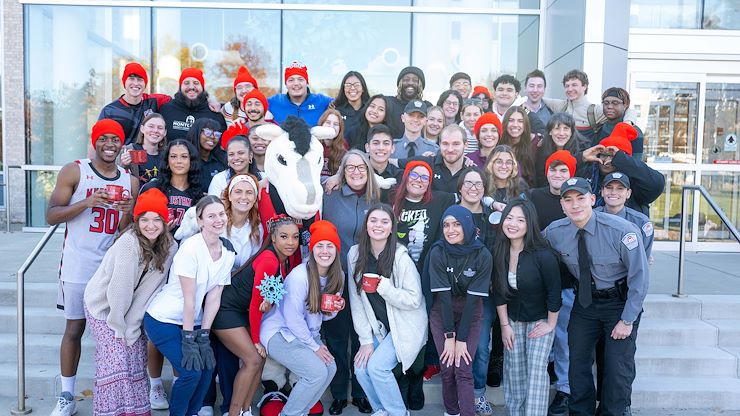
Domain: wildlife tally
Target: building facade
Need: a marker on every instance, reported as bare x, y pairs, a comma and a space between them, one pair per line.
62, 62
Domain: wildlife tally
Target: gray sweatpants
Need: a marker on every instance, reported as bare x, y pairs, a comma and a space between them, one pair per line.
314, 374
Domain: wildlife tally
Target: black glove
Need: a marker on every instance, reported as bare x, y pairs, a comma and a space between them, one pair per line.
190, 353
203, 340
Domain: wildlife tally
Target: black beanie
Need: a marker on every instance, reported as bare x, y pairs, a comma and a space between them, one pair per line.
459, 75
412, 70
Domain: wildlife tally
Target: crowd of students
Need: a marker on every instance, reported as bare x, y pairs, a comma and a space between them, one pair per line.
503, 212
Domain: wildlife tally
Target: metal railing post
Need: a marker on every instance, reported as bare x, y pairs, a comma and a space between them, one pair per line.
682, 241
21, 318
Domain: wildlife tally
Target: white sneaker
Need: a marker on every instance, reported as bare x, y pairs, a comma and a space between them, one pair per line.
158, 398
247, 412
65, 405
483, 407
206, 411
447, 414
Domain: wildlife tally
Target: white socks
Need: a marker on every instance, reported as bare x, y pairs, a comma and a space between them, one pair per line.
68, 384
154, 382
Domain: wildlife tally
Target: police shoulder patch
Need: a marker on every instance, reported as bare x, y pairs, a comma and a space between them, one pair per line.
630, 241
647, 228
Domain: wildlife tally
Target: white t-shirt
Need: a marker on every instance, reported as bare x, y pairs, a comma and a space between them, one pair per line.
219, 182
194, 261
512, 280
241, 238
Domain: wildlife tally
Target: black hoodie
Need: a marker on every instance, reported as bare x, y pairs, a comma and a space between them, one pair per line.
180, 113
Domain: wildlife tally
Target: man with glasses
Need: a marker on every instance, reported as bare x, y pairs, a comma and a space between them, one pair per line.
410, 86
615, 101
190, 103
460, 82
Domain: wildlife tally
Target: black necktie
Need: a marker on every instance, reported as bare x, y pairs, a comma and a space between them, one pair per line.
412, 149
584, 268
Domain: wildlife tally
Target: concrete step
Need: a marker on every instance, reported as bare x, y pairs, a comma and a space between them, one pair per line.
729, 331
685, 362
719, 306
668, 332
43, 380
42, 348
669, 307
37, 294
655, 392
39, 320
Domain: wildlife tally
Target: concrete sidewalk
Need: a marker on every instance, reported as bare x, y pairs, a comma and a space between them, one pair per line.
706, 273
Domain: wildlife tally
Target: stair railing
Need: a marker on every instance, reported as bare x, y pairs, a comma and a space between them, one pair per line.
684, 225
21, 318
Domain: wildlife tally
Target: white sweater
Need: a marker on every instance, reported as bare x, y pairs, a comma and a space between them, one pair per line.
407, 314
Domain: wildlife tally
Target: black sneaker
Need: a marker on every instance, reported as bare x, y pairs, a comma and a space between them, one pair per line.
495, 371
559, 405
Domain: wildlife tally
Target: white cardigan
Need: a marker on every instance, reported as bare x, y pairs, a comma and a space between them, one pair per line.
407, 314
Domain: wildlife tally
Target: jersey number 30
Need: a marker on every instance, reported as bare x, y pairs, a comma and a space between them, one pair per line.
104, 220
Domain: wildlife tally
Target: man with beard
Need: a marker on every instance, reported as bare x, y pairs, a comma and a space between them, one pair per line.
188, 105
299, 101
410, 84
449, 162
254, 105
130, 108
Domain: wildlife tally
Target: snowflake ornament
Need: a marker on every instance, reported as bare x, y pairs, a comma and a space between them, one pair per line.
272, 289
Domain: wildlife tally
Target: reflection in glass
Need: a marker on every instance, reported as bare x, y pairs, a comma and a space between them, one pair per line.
74, 60
721, 124
665, 212
667, 112
665, 14
725, 190
41, 184
332, 43
487, 46
217, 41
721, 14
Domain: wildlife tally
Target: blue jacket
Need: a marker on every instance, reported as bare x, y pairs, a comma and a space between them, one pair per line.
310, 109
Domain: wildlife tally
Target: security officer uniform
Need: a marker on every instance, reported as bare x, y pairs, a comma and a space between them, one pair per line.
635, 217
613, 254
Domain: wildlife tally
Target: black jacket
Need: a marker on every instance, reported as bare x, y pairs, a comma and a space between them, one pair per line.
538, 286
179, 116
130, 116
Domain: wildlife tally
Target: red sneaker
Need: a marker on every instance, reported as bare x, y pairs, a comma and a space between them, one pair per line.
317, 409
431, 371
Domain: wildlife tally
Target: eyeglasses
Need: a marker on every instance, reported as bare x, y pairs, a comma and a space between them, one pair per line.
353, 168
210, 133
500, 162
451, 104
413, 176
352, 85
471, 184
612, 103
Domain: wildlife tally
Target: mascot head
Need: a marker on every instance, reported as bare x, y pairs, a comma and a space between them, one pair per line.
293, 163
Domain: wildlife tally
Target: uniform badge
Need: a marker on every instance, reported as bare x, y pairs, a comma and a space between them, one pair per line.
572, 181
617, 175
630, 241
647, 228
469, 272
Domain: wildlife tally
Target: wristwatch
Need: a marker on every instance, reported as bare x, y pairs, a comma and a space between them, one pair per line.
449, 335
628, 323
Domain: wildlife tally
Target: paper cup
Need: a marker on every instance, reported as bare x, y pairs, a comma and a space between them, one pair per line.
370, 282
328, 302
138, 157
115, 192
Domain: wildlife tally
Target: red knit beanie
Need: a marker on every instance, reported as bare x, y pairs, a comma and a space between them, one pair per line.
562, 156
488, 118
106, 126
480, 89
296, 68
151, 200
134, 68
244, 76
621, 137
236, 129
323, 230
413, 164
255, 93
192, 73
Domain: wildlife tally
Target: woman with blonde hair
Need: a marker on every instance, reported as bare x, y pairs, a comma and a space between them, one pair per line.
504, 182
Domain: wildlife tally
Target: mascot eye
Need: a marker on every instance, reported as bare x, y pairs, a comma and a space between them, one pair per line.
282, 161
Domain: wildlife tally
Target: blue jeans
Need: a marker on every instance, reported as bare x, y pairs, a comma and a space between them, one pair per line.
191, 386
377, 379
560, 350
483, 353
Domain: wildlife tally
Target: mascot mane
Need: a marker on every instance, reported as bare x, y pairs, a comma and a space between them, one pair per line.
299, 133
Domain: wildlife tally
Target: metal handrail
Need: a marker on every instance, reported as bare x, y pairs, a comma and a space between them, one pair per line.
684, 223
22, 409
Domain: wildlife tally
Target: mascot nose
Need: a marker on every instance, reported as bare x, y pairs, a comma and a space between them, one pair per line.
305, 175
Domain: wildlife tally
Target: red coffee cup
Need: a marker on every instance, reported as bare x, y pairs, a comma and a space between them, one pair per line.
328, 302
370, 282
138, 157
115, 192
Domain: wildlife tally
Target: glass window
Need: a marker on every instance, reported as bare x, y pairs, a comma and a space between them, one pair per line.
499, 4
218, 42
667, 112
721, 14
724, 187
721, 124
665, 14
487, 47
665, 212
332, 43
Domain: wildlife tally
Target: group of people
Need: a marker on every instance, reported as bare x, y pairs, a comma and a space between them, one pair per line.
481, 238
